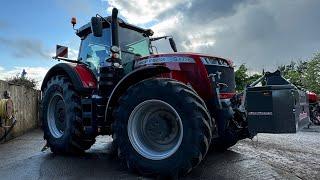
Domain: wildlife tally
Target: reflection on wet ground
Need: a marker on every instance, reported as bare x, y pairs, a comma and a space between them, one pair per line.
288, 156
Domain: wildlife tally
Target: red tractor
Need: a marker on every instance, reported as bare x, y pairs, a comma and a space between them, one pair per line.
314, 108
164, 111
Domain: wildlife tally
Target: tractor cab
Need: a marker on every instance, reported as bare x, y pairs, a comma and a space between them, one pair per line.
134, 43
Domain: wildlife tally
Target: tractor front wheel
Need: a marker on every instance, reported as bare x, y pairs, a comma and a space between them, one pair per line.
61, 118
161, 128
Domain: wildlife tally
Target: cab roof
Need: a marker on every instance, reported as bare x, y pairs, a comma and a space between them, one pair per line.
86, 29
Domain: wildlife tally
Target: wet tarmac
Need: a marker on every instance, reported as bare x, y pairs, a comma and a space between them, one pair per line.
287, 156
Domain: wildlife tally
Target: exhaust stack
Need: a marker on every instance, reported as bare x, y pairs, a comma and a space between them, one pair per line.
115, 27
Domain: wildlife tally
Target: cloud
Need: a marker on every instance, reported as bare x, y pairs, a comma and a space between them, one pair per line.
21, 48
36, 73
262, 34
76, 7
143, 11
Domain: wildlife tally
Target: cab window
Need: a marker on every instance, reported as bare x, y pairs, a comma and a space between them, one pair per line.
95, 50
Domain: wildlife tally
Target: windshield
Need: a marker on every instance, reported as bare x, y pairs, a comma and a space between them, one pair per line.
133, 42
133, 45
95, 50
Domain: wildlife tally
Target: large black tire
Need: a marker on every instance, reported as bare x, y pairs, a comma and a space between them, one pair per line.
232, 134
195, 122
229, 134
72, 140
227, 140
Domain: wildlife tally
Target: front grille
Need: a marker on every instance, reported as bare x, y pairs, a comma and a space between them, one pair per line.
224, 74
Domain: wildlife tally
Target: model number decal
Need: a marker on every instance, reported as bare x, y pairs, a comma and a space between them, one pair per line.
164, 60
260, 113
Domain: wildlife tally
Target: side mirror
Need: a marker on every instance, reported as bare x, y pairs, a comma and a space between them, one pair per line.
96, 26
173, 45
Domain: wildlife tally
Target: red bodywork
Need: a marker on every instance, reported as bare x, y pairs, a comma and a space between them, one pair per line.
87, 77
194, 73
312, 97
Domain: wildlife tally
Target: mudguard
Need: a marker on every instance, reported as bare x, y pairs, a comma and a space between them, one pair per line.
81, 77
131, 78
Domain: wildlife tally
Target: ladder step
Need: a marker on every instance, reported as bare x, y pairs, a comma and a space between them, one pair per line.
87, 115
107, 75
106, 83
86, 101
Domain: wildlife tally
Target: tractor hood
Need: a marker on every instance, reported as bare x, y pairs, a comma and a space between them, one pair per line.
221, 67
174, 57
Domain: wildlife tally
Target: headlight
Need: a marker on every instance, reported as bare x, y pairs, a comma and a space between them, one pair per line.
115, 49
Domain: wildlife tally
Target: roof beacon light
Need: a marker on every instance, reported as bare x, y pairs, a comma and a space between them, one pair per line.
73, 21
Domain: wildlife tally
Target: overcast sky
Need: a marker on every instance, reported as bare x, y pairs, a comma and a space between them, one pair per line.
260, 33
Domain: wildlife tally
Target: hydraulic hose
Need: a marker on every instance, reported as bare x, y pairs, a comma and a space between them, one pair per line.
7, 131
6, 114
6, 109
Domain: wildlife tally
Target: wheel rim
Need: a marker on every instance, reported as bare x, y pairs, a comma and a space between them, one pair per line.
155, 129
56, 116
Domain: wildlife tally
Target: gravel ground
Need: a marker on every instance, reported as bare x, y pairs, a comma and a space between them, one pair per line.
287, 156
298, 154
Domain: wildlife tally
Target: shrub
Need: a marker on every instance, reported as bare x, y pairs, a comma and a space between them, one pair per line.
23, 81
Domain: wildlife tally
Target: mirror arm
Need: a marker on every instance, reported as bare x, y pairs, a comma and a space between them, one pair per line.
68, 60
158, 38
98, 15
155, 49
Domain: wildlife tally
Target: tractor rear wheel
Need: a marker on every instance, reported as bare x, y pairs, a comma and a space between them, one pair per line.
61, 118
161, 128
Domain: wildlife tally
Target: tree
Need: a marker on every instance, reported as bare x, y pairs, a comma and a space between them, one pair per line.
243, 79
304, 74
295, 72
311, 79
22, 80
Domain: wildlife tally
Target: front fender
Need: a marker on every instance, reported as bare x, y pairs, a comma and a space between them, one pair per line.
81, 77
130, 79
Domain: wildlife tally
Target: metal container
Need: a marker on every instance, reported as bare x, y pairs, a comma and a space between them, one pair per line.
276, 109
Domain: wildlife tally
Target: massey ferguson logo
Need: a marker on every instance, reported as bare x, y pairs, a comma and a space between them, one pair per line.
218, 73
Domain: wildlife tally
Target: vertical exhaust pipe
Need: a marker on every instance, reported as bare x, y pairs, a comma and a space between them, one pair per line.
111, 75
115, 27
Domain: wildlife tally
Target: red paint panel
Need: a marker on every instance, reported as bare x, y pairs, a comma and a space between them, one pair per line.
312, 97
87, 77
194, 74
226, 95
